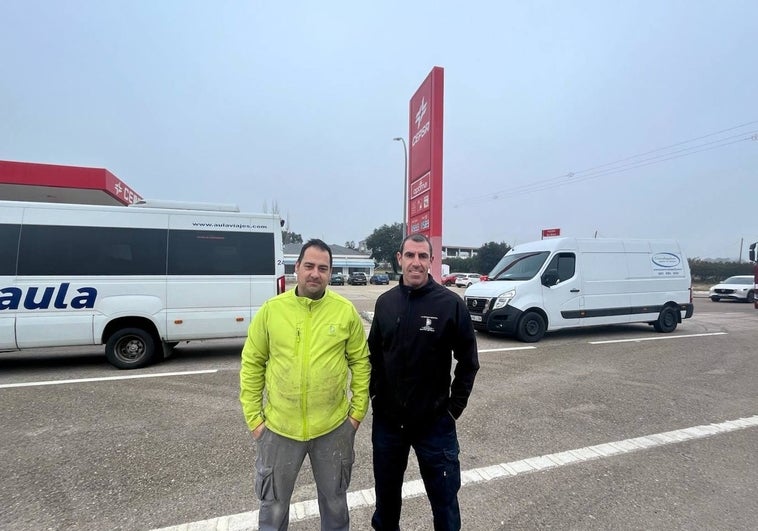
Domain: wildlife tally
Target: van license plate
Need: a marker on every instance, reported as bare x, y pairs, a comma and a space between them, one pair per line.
477, 318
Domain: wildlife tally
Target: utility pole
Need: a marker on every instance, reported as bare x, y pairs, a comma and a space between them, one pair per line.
405, 183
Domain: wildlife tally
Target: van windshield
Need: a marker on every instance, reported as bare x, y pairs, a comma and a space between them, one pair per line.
518, 266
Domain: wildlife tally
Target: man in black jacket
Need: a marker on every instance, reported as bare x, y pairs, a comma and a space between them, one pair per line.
418, 327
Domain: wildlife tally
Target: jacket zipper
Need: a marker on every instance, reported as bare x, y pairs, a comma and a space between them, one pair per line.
305, 336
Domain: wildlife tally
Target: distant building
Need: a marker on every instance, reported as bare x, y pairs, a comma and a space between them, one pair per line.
344, 260
449, 251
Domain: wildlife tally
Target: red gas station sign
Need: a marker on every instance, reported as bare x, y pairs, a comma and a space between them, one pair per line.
425, 164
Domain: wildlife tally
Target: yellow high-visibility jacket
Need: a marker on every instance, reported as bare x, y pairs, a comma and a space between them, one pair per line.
300, 351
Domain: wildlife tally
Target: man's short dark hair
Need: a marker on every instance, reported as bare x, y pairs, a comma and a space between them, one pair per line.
319, 244
418, 238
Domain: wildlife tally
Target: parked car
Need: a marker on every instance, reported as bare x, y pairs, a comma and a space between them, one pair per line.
739, 288
357, 279
449, 279
337, 280
467, 279
379, 278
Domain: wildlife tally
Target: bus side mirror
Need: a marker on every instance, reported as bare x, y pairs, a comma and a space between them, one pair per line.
751, 253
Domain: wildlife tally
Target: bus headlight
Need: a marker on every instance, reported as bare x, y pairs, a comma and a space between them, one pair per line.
503, 299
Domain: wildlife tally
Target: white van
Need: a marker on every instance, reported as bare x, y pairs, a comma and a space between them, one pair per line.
137, 279
570, 282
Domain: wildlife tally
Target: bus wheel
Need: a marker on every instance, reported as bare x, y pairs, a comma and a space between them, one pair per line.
530, 328
667, 320
130, 348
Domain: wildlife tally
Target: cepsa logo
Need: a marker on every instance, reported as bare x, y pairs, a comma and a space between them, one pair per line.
123, 191
420, 186
11, 298
422, 130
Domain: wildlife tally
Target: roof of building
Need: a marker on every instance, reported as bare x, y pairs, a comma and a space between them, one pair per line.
294, 249
341, 256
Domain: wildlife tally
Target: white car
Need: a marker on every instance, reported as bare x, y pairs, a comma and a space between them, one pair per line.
466, 279
739, 288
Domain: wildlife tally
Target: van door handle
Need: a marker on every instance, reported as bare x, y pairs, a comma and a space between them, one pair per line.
574, 290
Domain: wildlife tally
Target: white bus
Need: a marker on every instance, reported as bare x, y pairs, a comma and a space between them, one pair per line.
137, 279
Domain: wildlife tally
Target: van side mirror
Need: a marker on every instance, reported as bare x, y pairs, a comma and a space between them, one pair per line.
550, 278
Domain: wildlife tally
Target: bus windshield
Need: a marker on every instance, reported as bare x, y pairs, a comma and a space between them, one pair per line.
519, 266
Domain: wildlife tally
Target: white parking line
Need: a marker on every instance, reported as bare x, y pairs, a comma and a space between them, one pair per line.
656, 338
504, 349
106, 378
411, 489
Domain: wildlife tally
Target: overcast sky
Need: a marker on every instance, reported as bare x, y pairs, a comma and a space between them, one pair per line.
621, 119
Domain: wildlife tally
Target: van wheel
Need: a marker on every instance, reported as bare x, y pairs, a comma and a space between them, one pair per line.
750, 296
531, 327
667, 320
130, 348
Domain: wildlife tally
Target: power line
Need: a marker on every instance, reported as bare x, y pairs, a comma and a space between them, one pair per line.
621, 165
674, 145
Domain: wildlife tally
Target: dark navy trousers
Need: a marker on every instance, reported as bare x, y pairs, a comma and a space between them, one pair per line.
436, 448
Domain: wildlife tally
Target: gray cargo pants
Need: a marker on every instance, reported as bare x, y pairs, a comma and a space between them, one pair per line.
278, 463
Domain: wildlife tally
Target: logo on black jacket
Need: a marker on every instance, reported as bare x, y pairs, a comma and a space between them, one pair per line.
428, 321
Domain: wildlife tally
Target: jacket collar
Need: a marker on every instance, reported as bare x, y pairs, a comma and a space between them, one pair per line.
426, 288
307, 301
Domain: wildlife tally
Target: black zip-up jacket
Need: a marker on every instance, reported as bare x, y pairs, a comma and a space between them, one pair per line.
413, 334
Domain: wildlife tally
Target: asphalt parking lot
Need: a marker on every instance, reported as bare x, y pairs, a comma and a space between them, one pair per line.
608, 428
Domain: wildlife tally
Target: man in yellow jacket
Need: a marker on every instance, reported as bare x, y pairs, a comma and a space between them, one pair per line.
300, 348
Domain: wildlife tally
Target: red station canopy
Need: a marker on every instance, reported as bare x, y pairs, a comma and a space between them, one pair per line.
51, 183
